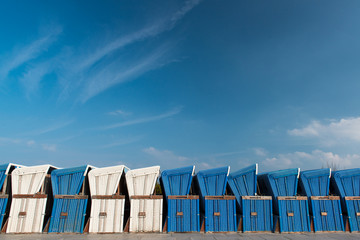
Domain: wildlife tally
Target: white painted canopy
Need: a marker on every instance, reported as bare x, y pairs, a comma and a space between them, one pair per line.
142, 181
104, 181
28, 180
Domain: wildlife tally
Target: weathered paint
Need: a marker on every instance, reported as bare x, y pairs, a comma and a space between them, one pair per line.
5, 169
141, 182
326, 213
68, 181
70, 199
177, 182
244, 182
212, 182
107, 215
315, 182
105, 181
146, 215
293, 214
29, 180
183, 214
68, 215
183, 210
257, 214
352, 208
280, 183
256, 211
3, 204
220, 214
28, 206
107, 206
347, 182
26, 215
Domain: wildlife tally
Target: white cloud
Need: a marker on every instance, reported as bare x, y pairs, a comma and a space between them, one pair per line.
30, 142
96, 72
122, 142
334, 132
22, 55
312, 160
51, 128
166, 24
165, 157
144, 120
6, 140
119, 112
260, 152
49, 147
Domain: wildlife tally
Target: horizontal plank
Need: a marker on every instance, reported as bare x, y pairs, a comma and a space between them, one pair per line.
292, 198
29, 196
325, 198
108, 197
352, 198
184, 197
256, 197
71, 196
220, 197
147, 197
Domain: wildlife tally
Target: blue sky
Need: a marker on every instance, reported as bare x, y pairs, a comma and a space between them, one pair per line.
176, 83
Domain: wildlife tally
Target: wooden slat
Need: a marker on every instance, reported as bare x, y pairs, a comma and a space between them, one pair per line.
71, 196
325, 198
5, 184
184, 197
165, 226
256, 197
108, 197
126, 228
352, 198
29, 196
220, 197
87, 226
292, 198
147, 197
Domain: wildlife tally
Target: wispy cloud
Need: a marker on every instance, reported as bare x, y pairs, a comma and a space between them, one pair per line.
10, 140
111, 74
122, 142
145, 119
165, 157
31, 51
101, 69
50, 128
333, 132
165, 24
314, 159
49, 147
260, 152
30, 142
119, 112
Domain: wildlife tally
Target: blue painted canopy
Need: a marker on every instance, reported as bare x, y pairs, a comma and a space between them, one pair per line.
315, 182
68, 181
347, 182
3, 169
281, 182
243, 182
213, 182
177, 181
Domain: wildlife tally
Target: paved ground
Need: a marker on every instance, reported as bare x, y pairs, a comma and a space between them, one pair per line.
184, 236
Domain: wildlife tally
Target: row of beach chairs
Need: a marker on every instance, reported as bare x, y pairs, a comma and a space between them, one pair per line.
116, 199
